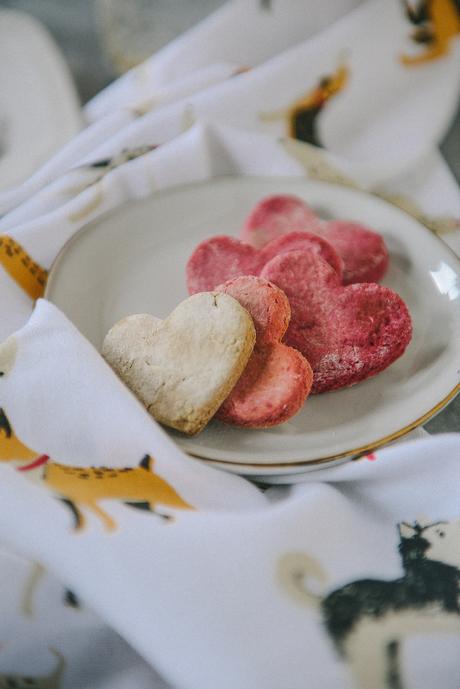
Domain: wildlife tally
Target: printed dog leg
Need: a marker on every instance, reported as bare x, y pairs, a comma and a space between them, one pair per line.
79, 519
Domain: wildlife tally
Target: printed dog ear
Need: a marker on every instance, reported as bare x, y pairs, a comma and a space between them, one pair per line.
406, 530
423, 520
8, 351
147, 463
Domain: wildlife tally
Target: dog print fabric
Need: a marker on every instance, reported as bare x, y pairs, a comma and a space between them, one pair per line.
79, 487
52, 681
437, 23
368, 620
28, 275
197, 596
302, 115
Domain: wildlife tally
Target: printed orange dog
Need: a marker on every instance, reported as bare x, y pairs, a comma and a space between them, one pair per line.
84, 487
437, 23
28, 274
302, 115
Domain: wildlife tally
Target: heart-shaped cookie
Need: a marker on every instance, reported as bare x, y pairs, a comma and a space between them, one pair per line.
277, 380
277, 215
223, 258
346, 333
184, 367
363, 251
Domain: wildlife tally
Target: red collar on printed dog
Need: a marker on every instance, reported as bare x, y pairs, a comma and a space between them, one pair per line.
36, 463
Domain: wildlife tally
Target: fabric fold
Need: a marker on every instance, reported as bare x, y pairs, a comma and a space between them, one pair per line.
348, 578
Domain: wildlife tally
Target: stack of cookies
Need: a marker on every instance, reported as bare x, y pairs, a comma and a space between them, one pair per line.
292, 307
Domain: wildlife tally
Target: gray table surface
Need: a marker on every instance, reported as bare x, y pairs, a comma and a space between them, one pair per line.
74, 27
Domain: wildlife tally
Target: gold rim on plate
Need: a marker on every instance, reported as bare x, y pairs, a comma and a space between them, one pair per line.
352, 454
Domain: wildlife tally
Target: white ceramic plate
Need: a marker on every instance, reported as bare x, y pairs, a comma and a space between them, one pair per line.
133, 260
39, 109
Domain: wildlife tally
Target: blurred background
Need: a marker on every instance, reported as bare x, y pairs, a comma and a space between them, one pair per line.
101, 39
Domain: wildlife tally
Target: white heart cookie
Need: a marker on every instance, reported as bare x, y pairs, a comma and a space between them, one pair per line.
184, 367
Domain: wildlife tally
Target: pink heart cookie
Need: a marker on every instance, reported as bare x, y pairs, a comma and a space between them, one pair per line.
223, 258
277, 378
346, 333
364, 254
277, 215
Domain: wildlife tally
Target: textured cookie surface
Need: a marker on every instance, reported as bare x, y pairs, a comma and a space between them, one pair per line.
277, 215
277, 379
223, 258
362, 250
184, 367
346, 333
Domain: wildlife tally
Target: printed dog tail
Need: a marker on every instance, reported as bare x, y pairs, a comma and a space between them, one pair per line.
293, 568
36, 574
55, 679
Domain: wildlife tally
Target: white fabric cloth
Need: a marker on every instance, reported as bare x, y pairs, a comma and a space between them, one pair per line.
219, 597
